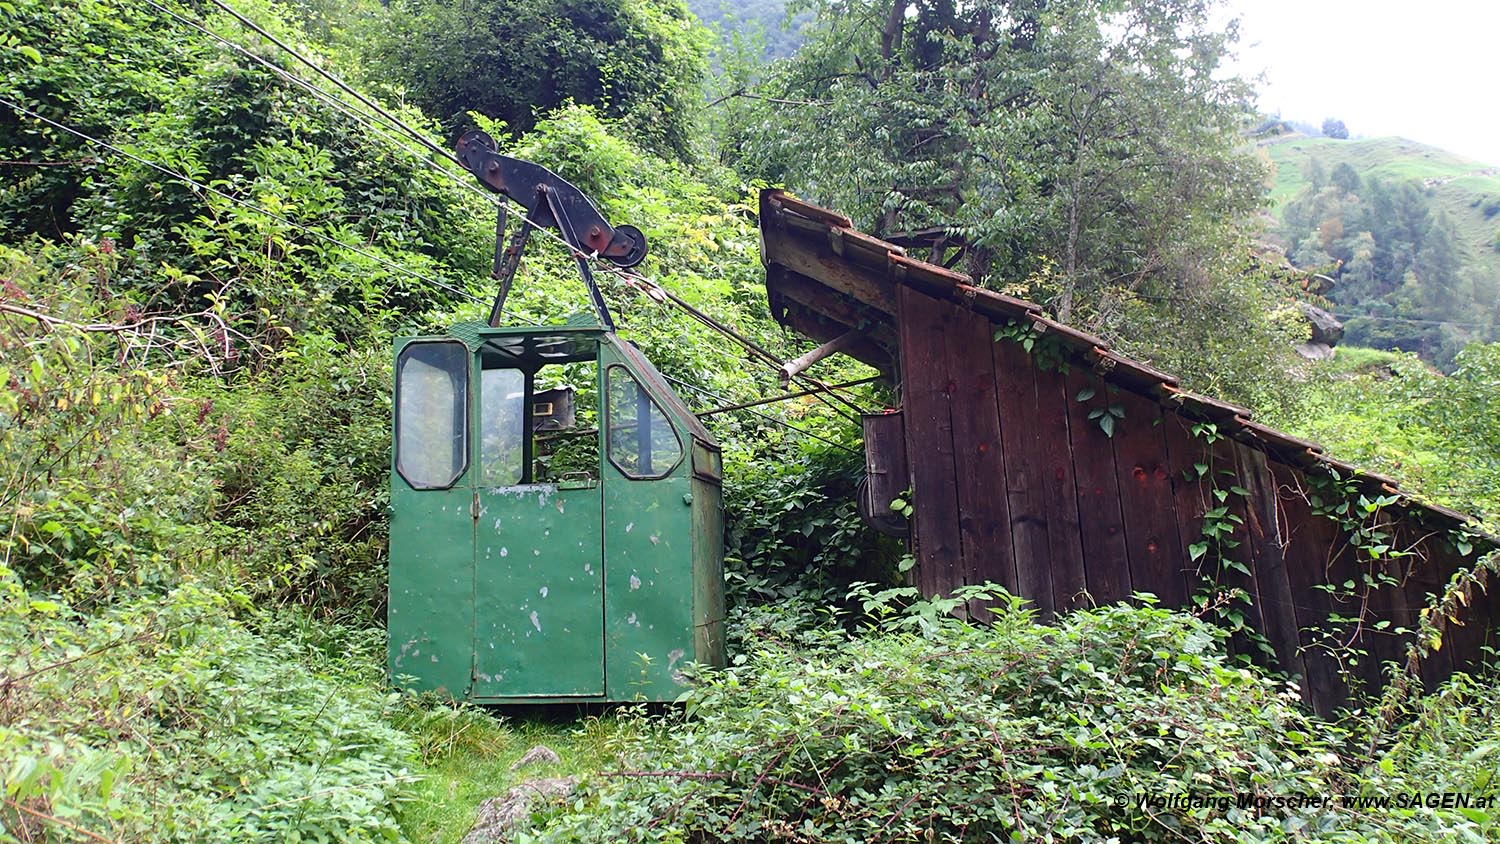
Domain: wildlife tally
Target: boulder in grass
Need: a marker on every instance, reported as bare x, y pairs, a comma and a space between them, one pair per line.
499, 815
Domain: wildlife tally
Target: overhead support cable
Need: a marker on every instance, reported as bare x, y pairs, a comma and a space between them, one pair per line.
383, 130
766, 416
341, 84
821, 391
788, 397
756, 350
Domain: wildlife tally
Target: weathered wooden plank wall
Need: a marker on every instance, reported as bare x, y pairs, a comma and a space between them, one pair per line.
929, 435
1015, 484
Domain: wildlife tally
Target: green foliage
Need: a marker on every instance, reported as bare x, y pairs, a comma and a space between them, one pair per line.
1038, 135
299, 456
1396, 258
165, 719
639, 61
1106, 414
1439, 435
1442, 742
792, 530
92, 502
138, 79
929, 729
1403, 228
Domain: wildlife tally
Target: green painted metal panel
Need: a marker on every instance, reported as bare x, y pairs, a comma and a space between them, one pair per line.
648, 602
539, 591
648, 547
708, 573
595, 589
430, 617
431, 589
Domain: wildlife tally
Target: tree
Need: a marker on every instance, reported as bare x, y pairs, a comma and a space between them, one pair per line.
641, 62
1345, 178
1333, 128
1075, 143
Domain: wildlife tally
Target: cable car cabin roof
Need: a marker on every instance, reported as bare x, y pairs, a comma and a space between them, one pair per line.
535, 345
532, 346
825, 279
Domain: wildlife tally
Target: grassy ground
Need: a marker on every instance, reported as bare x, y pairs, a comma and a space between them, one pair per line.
468, 757
1357, 360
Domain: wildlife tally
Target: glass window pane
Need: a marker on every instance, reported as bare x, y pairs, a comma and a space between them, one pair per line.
502, 398
431, 413
641, 441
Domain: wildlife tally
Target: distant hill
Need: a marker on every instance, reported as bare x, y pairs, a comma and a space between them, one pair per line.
765, 18
1415, 229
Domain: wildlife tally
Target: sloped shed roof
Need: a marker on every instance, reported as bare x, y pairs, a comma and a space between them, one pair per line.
824, 278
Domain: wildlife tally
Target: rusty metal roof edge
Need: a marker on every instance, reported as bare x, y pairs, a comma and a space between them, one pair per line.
961, 289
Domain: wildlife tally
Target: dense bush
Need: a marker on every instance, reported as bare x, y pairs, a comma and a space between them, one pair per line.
300, 458
172, 96
1439, 435
94, 501
928, 729
792, 530
932, 730
639, 61
164, 719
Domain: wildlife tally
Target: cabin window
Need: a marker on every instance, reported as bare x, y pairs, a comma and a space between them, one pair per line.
641, 442
502, 432
432, 400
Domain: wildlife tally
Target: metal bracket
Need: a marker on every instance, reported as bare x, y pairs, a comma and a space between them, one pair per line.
550, 202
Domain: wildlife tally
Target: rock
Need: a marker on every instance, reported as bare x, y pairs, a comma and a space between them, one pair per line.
499, 815
1326, 328
541, 753
1315, 351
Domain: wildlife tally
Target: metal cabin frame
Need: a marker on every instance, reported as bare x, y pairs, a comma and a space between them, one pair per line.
508, 585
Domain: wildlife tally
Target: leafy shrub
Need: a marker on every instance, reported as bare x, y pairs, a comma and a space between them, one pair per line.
792, 529
928, 729
1438, 434
176, 98
300, 456
164, 719
639, 61
95, 502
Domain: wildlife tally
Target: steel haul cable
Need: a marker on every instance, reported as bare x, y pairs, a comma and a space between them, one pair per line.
823, 392
823, 396
348, 110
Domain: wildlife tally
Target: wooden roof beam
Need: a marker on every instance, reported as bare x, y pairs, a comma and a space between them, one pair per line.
817, 297
797, 255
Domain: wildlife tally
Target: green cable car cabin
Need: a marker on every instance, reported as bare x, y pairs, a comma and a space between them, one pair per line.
536, 562
556, 511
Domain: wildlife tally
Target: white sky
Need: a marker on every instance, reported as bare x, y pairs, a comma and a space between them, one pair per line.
1428, 71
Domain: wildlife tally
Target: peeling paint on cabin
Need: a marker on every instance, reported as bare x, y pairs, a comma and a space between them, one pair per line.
536, 621
543, 590
635, 583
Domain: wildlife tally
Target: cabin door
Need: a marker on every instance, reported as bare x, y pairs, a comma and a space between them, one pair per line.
430, 614
538, 547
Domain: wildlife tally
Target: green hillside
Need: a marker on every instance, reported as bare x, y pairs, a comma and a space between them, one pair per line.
1434, 189
1461, 186
1387, 158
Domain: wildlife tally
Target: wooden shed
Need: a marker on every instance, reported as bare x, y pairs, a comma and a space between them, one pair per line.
1040, 459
